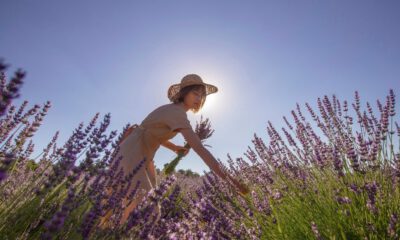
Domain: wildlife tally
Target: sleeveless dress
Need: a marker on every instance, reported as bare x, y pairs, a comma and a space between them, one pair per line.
144, 140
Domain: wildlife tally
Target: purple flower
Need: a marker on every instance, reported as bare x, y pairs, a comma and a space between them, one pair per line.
343, 200
391, 230
315, 230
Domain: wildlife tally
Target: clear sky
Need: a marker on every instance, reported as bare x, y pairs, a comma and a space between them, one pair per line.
120, 57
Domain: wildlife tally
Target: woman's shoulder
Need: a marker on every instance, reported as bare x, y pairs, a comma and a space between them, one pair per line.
171, 114
172, 107
169, 109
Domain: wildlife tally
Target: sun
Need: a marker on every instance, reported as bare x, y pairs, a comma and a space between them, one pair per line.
210, 104
216, 104
213, 103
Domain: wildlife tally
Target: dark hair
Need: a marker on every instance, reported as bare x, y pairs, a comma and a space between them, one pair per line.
180, 96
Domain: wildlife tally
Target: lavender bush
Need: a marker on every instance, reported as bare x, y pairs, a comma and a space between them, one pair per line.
333, 174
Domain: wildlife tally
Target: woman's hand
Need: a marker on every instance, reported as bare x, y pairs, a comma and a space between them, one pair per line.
180, 149
242, 188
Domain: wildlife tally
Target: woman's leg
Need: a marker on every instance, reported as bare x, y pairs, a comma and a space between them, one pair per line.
104, 220
151, 172
144, 187
132, 204
153, 179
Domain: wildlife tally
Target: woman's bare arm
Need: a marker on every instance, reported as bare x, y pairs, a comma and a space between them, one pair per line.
194, 141
169, 145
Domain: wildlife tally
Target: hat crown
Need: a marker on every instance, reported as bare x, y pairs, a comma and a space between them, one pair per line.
191, 79
188, 80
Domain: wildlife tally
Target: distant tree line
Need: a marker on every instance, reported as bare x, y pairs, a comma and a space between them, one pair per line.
187, 172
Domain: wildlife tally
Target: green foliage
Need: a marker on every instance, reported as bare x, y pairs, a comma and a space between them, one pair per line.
316, 201
32, 165
188, 173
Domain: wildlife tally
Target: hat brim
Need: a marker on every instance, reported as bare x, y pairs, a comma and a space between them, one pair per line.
175, 88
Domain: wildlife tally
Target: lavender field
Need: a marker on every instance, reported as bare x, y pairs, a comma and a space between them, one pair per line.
330, 173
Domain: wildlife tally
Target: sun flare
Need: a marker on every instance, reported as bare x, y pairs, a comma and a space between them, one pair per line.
213, 103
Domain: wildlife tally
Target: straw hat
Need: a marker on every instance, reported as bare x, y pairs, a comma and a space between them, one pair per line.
188, 80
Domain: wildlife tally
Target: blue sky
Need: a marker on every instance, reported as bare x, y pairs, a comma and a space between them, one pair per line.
120, 57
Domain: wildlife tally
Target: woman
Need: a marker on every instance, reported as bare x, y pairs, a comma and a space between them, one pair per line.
161, 125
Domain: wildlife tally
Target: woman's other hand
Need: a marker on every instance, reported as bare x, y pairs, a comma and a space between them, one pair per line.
194, 141
180, 149
241, 187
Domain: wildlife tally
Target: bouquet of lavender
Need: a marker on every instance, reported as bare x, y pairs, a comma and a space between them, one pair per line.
204, 131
